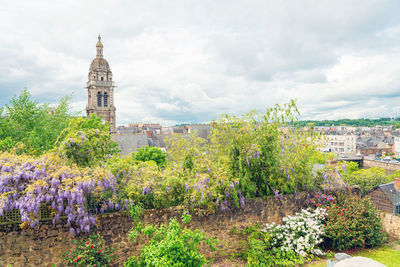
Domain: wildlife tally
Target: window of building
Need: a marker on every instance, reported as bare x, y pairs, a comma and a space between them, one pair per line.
105, 99
99, 99
102, 78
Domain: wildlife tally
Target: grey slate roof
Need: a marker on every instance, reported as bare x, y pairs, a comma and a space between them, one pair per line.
391, 193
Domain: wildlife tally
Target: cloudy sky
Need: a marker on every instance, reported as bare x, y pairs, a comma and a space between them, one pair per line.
189, 61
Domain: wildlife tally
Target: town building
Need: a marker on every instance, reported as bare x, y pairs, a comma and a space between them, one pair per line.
396, 147
341, 145
100, 87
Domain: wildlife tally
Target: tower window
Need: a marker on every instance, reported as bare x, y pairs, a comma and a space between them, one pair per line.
105, 99
102, 78
99, 99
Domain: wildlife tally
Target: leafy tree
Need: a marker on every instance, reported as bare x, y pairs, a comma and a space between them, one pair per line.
86, 141
30, 126
262, 152
265, 152
147, 153
367, 179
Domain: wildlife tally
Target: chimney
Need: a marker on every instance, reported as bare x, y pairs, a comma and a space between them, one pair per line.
397, 184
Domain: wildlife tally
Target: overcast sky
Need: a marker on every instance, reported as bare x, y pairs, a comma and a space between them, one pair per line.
190, 61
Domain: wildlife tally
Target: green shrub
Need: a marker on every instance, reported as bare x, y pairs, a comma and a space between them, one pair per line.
346, 168
155, 188
147, 153
353, 222
89, 252
367, 179
171, 246
121, 166
86, 142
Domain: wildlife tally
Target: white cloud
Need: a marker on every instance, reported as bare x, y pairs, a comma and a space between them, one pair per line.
190, 61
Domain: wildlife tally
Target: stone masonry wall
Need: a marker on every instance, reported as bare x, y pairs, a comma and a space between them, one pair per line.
391, 224
381, 164
44, 245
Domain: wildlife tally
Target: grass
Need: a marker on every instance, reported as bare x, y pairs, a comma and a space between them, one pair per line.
388, 254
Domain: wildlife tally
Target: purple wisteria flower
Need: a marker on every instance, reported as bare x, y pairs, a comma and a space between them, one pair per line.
65, 199
146, 190
242, 204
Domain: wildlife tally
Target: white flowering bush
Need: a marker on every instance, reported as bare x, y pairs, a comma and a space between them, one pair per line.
302, 233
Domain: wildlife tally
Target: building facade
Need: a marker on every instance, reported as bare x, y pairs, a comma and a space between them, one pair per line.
340, 144
396, 147
100, 87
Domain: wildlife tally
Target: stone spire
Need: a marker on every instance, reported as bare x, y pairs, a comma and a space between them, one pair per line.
99, 47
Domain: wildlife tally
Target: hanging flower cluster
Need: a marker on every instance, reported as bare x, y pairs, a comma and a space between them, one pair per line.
28, 184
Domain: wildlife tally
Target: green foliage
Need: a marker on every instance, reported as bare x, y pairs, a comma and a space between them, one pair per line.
256, 154
147, 153
86, 141
396, 174
320, 157
353, 222
259, 150
170, 245
352, 122
367, 179
30, 127
89, 252
347, 168
121, 166
155, 188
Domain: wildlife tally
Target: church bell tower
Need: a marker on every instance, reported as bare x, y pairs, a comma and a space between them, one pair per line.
100, 88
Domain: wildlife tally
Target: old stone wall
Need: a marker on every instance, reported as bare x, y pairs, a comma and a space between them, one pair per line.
368, 163
391, 224
44, 245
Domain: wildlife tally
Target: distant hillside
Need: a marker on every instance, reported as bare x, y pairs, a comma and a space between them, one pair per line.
356, 122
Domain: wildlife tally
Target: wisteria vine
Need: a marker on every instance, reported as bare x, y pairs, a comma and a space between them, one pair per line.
27, 184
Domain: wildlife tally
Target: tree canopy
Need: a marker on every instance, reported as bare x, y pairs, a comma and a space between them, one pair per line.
30, 127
